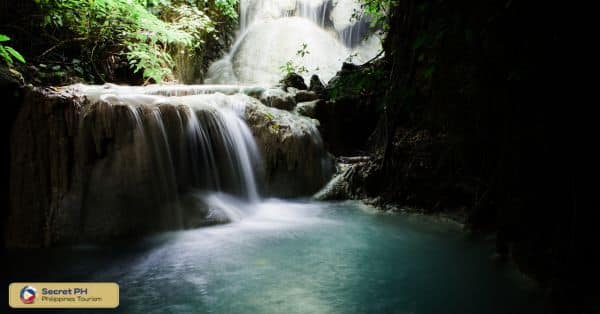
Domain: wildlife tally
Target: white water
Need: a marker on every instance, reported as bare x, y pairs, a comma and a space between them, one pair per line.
185, 154
173, 140
272, 31
166, 146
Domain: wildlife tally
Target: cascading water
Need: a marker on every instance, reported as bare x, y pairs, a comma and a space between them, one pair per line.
169, 157
157, 158
149, 154
167, 142
272, 32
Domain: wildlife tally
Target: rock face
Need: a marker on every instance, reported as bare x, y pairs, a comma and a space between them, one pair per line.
296, 162
87, 167
350, 114
344, 184
43, 150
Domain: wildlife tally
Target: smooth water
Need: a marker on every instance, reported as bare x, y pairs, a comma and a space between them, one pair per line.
296, 257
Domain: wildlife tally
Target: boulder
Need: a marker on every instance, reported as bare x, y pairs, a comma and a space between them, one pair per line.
296, 162
278, 98
307, 109
316, 85
294, 80
304, 96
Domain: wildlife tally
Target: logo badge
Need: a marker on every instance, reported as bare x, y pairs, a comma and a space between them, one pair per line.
27, 295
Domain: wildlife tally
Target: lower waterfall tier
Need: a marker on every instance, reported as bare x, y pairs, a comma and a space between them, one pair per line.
94, 163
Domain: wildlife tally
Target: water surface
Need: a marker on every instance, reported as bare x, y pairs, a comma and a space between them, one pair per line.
300, 257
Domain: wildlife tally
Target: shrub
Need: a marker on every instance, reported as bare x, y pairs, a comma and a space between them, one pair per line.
133, 26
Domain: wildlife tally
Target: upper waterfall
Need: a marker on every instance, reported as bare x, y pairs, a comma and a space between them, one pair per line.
273, 31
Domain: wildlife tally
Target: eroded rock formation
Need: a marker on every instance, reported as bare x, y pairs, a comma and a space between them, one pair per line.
94, 163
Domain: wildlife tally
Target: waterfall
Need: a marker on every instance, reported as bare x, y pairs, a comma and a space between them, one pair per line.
143, 151
272, 31
152, 147
133, 160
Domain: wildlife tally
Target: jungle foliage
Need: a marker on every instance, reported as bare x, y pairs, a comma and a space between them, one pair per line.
8, 53
99, 40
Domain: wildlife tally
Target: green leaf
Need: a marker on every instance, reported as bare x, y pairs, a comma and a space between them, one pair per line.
15, 54
4, 54
4, 38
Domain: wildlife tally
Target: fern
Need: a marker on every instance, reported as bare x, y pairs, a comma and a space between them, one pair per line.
228, 7
145, 38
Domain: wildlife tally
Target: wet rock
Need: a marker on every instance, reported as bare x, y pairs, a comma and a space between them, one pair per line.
307, 109
42, 164
344, 183
304, 96
294, 80
296, 162
349, 67
96, 168
279, 99
316, 85
338, 188
293, 91
253, 91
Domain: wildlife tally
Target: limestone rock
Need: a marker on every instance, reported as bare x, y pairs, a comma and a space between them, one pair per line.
97, 167
307, 109
296, 162
43, 147
278, 98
